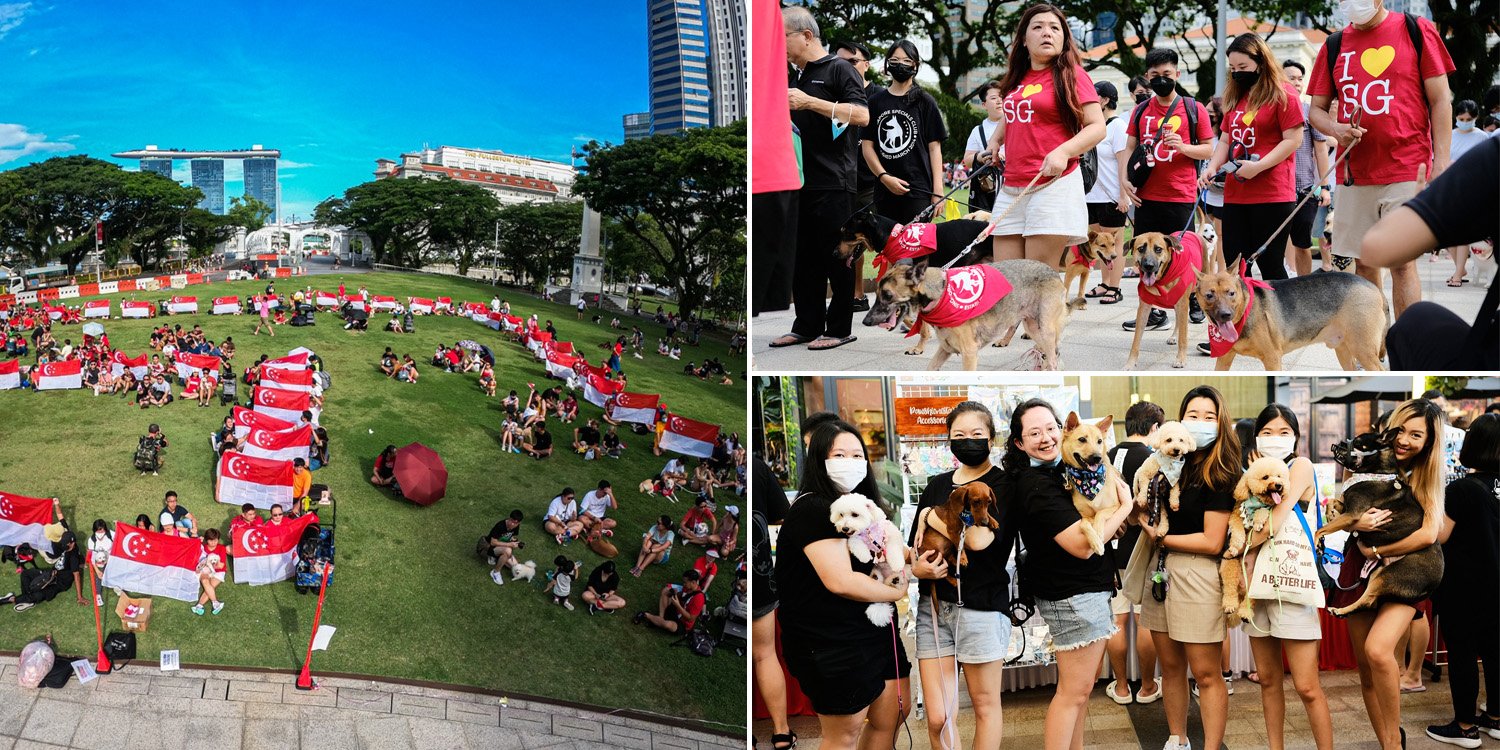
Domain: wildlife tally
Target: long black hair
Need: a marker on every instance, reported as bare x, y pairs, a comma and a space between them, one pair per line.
1016, 459
815, 479
1481, 451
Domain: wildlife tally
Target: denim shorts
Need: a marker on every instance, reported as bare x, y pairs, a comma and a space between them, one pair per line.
1078, 620
982, 636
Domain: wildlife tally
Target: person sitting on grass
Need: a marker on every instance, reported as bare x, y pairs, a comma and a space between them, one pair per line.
707, 566
510, 435
562, 517
487, 379
211, 568
728, 534
224, 439
539, 446
612, 445
676, 470
248, 518
408, 370
319, 449
504, 539
562, 582
440, 356
586, 440
385, 467
601, 592
175, 517
301, 482
678, 607
226, 349
698, 523
511, 404
97, 378
44, 584
453, 359
206, 387
394, 324
388, 363
158, 394
656, 546
704, 480
596, 503
123, 385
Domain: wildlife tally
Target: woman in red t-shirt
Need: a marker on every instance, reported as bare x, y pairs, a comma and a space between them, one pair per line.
1264, 119
1052, 117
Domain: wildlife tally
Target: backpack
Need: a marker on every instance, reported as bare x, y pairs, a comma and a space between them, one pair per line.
700, 642
147, 455
1138, 169
120, 647
1088, 164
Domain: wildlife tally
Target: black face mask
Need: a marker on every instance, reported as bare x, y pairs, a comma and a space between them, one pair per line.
1245, 79
1141, 97
1162, 85
902, 72
970, 451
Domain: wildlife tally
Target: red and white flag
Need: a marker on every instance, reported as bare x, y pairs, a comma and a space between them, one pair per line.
355, 301
325, 299
287, 380
262, 482
688, 437
189, 364
560, 365
566, 347
443, 303
282, 404
119, 363
135, 309
266, 553
420, 305
182, 305
296, 361
475, 308
149, 562
22, 519
281, 445
226, 305
273, 304
382, 302
53, 376
494, 320
55, 313
510, 322
98, 308
10, 374
539, 339
639, 408
246, 420
598, 389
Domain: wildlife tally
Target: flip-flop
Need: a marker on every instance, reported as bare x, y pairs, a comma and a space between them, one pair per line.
796, 339
837, 343
1455, 284
1417, 689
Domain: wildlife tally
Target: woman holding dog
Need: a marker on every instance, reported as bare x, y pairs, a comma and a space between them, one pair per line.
1376, 633
978, 633
1187, 623
851, 669
1052, 117
903, 144
1284, 628
1071, 584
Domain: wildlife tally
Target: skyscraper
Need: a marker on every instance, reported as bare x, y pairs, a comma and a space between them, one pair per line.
677, 31
726, 59
260, 184
637, 125
208, 176
162, 167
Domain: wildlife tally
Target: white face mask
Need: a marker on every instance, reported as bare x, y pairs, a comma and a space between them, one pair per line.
1204, 433
846, 473
1275, 446
1359, 12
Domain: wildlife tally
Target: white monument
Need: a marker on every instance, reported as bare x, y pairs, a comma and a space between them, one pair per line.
588, 264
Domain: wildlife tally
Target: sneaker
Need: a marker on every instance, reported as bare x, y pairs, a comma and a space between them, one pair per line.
218, 607
592, 609
1173, 744
639, 618
1229, 682
23, 606
497, 578
1195, 313
489, 560
1452, 734
1156, 321
198, 609
567, 605
1488, 725
1204, 350
861, 304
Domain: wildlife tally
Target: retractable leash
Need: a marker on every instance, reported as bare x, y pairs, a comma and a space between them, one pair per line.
1354, 121
994, 222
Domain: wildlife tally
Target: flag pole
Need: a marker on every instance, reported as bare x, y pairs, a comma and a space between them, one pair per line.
104, 666
305, 680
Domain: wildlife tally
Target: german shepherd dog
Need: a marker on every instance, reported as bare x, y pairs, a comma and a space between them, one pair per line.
1101, 247
1341, 310
1083, 450
1155, 254
1035, 300
867, 230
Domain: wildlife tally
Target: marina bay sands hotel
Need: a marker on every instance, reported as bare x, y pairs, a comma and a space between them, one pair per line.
207, 170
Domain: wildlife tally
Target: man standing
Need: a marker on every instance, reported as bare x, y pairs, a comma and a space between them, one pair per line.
827, 98
858, 55
1312, 166
1393, 69
1141, 421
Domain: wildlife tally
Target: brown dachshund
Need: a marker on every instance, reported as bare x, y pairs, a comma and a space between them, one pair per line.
944, 522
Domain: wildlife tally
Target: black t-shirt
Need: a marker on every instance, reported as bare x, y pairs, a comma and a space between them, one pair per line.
69, 562
502, 534
768, 509
1127, 458
828, 164
1046, 508
611, 440
986, 582
866, 177
543, 441
601, 586
809, 611
177, 515
1472, 552
901, 127
588, 435
1196, 499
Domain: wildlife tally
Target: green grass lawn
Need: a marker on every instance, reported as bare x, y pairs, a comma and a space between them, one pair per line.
410, 599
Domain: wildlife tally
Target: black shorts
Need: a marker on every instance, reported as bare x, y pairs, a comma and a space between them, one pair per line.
1106, 215
1161, 216
842, 679
1302, 223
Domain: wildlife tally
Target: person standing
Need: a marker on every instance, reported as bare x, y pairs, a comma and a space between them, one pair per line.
976, 155
1103, 199
1400, 138
826, 98
858, 55
1311, 159
1141, 421
903, 144
1465, 136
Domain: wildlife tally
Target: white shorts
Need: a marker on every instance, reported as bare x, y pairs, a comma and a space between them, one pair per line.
1120, 605
1288, 622
1359, 207
1056, 209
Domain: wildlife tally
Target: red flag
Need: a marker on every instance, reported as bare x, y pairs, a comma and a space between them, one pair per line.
268, 553
182, 305
282, 404
290, 380
245, 420
597, 389
58, 375
119, 363
135, 309
282, 445
420, 305
560, 365
190, 364
10, 374
688, 437
262, 482
296, 361
98, 308
22, 519
226, 305
149, 562
382, 302
639, 408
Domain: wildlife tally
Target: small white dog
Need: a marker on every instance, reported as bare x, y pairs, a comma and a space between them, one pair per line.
1482, 256
872, 538
523, 571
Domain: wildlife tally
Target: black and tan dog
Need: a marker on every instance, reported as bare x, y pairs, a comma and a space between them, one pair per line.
1079, 263
1341, 310
1167, 271
1411, 577
867, 230
969, 513
1035, 301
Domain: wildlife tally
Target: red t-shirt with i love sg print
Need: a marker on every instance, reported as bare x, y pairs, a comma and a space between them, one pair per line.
1034, 126
1259, 130
1378, 71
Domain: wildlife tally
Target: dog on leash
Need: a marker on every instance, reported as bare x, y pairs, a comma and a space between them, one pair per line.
1267, 321
968, 512
1168, 265
867, 230
1090, 477
1078, 262
1161, 472
1258, 491
872, 538
1411, 577
1035, 300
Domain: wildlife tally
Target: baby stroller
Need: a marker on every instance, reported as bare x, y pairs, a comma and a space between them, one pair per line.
304, 315
229, 388
314, 553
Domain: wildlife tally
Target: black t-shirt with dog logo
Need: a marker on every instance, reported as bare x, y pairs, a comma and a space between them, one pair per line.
900, 128
809, 611
1049, 571
828, 162
1196, 499
986, 581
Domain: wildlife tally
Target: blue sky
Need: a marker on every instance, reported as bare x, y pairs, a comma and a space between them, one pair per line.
333, 85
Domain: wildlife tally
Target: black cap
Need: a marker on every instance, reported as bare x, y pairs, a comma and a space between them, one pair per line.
1107, 90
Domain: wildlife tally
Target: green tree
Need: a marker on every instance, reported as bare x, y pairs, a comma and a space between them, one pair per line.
462, 222
961, 42
203, 229
393, 212
690, 188
1466, 26
248, 212
48, 209
147, 212
960, 118
536, 239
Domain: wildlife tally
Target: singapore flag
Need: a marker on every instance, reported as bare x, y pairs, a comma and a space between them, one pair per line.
268, 553
262, 482
148, 562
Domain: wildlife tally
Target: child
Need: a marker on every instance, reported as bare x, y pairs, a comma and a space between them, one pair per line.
211, 567
562, 582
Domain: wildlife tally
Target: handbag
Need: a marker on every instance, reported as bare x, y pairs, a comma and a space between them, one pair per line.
1286, 570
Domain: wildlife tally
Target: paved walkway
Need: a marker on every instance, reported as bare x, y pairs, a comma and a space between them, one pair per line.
1092, 341
141, 707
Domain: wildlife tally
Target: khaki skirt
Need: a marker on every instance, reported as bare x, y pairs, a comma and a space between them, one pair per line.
1192, 612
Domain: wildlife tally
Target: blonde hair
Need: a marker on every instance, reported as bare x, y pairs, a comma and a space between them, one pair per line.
1425, 474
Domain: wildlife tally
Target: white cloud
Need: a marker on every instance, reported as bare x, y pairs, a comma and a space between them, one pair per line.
17, 142
289, 164
11, 16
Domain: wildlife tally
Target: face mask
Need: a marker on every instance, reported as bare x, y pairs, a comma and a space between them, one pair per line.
1141, 97
1359, 12
1245, 79
846, 473
1466, 125
99, 535
1275, 446
1162, 85
902, 72
1203, 433
1036, 462
970, 451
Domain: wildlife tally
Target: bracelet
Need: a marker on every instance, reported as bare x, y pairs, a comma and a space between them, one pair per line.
1376, 550
881, 176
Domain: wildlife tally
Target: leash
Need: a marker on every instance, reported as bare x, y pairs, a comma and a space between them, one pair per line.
994, 222
924, 213
1354, 121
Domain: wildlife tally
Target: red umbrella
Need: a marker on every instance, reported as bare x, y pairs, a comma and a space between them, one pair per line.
421, 473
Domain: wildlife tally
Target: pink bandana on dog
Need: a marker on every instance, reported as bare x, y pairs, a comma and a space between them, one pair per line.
969, 291
906, 241
1221, 338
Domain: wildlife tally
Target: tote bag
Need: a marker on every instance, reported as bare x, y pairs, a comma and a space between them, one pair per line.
1286, 570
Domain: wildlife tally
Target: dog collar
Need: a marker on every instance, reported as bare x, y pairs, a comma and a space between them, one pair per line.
1088, 482
968, 291
1221, 341
1171, 468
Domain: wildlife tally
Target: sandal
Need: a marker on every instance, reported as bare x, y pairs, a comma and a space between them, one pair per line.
790, 339
1253, 677
1099, 290
1113, 296
784, 741
1455, 283
836, 343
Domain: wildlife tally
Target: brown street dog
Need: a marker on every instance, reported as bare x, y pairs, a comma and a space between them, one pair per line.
1078, 262
1170, 445
1410, 577
940, 526
1169, 274
1035, 301
1089, 476
1258, 491
601, 545
1341, 310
